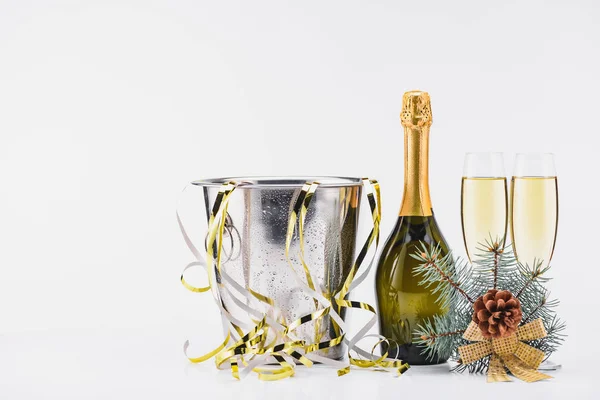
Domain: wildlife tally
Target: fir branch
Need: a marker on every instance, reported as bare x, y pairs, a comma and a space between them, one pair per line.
439, 269
532, 275
496, 263
432, 337
440, 336
478, 367
497, 248
447, 278
554, 336
535, 310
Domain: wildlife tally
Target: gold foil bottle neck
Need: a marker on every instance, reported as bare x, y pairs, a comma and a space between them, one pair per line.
416, 109
416, 120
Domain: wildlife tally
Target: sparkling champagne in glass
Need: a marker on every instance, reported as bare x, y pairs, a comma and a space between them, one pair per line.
534, 216
484, 201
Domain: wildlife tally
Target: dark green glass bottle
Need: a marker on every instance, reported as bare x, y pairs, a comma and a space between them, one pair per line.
403, 304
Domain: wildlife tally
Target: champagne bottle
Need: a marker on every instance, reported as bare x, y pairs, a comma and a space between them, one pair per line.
403, 303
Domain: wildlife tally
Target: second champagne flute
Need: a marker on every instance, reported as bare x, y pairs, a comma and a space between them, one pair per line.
534, 221
484, 201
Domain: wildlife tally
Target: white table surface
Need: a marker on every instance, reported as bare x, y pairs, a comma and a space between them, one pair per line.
151, 365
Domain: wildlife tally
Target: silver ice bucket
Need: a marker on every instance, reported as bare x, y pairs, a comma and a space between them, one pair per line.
258, 254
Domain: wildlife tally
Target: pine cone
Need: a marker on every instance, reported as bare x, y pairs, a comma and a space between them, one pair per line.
497, 313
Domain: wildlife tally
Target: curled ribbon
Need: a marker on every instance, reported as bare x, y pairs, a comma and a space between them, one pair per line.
509, 353
300, 210
253, 349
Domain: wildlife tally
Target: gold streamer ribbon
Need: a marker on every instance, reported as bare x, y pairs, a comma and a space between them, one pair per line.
251, 349
299, 211
510, 352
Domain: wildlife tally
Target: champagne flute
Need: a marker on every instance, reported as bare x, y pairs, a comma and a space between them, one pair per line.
484, 201
534, 215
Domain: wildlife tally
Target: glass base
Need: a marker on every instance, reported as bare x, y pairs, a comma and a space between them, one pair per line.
549, 366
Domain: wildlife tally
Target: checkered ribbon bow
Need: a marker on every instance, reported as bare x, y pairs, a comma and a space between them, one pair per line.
509, 352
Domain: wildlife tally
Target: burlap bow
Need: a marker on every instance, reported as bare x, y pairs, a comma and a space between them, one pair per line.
510, 352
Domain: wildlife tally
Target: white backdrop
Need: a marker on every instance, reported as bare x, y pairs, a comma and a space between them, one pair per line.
107, 109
